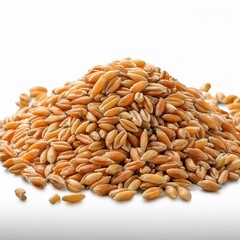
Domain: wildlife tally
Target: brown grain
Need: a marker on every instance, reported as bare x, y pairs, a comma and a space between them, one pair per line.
171, 192
209, 186
73, 185
184, 194
54, 199
177, 173
152, 178
126, 125
20, 193
91, 178
125, 195
104, 189
223, 177
151, 193
150, 154
74, 198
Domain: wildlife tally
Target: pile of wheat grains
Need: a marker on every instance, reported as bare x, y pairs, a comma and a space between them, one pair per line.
124, 127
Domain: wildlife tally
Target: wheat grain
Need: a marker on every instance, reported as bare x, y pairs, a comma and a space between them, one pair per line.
177, 173
124, 195
91, 178
150, 154
223, 177
114, 169
104, 189
184, 194
209, 185
20, 193
125, 125
54, 199
233, 176
122, 176
57, 181
151, 193
152, 178
234, 165
74, 198
134, 185
171, 192
74, 186
128, 125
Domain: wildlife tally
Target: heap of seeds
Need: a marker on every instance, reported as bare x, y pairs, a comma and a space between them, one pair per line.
124, 127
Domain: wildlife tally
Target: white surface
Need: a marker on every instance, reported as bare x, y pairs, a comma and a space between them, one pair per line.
50, 42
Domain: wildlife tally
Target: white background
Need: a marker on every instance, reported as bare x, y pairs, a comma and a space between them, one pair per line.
50, 42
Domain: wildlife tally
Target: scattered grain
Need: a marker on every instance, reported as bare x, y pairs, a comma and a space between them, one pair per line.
54, 199
20, 193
